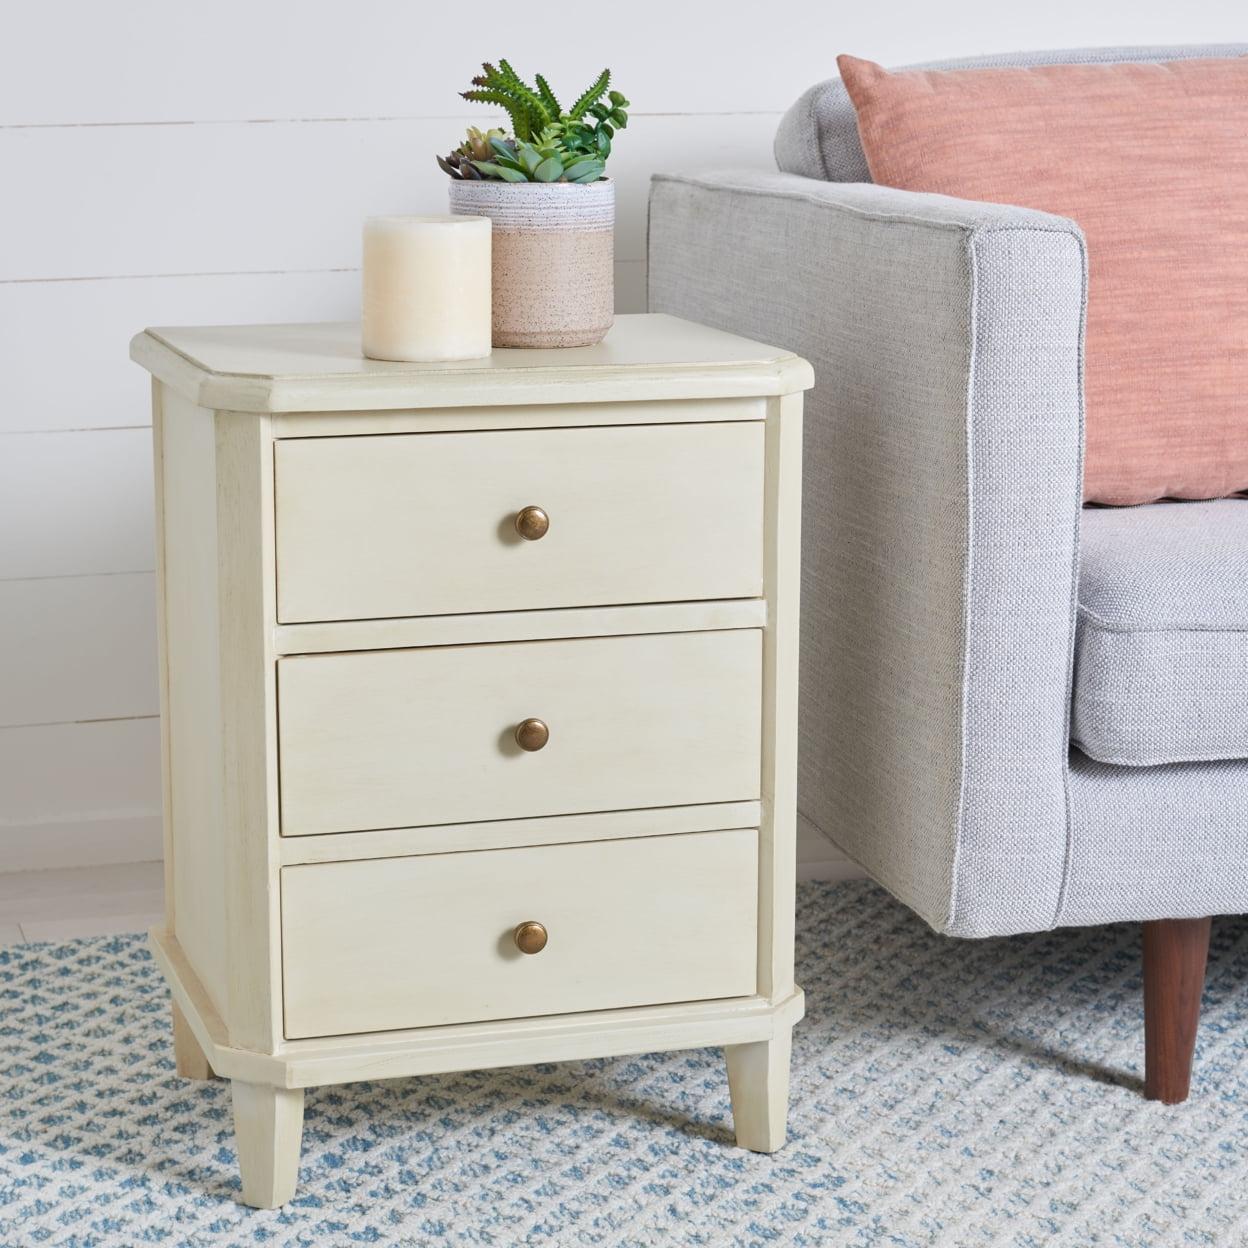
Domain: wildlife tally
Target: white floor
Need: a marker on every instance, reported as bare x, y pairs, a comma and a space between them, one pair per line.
98, 901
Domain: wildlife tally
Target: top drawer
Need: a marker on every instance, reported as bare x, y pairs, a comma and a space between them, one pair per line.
424, 524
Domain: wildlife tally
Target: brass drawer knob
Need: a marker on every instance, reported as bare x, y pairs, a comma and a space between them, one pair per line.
530, 937
532, 523
531, 734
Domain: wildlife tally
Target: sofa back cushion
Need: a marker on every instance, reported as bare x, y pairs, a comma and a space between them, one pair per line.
818, 136
1152, 162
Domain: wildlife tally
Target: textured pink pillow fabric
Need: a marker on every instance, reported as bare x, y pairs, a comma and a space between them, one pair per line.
1152, 162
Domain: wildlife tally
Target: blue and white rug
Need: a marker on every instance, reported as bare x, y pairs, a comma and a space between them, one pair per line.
944, 1092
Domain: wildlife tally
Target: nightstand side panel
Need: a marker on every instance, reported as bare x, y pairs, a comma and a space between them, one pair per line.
190, 670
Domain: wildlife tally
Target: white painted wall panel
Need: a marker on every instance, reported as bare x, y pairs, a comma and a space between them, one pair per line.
77, 648
76, 503
390, 58
64, 361
90, 840
64, 772
149, 60
278, 197
79, 794
630, 285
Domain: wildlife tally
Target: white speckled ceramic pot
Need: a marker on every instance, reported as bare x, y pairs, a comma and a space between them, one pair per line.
554, 245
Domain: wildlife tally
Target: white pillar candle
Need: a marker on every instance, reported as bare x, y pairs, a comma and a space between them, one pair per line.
426, 288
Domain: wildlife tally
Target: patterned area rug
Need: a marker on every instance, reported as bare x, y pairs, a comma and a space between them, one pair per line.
944, 1092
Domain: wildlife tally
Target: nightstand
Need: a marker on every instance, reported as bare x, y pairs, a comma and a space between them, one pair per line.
479, 695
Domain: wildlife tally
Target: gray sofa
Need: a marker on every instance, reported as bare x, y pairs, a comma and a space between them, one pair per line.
1017, 713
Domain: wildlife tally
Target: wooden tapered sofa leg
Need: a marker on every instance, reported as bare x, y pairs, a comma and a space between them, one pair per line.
1175, 951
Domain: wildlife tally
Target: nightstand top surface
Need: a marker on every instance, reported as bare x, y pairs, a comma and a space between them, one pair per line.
319, 367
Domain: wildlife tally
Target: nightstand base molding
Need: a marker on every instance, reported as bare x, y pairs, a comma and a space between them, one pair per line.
474, 1046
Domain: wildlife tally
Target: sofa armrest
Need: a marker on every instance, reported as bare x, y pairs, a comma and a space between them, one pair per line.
942, 490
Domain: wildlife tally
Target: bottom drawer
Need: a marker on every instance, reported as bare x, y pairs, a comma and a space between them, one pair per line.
416, 942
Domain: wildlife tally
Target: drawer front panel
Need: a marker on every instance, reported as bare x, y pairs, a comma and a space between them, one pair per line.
404, 738
424, 524
417, 942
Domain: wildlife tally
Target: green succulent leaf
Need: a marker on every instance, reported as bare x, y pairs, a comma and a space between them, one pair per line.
620, 117
501, 172
539, 115
584, 171
510, 161
548, 97
550, 170
591, 95
515, 109
530, 158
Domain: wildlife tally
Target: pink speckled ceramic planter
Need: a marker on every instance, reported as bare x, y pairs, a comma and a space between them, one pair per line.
553, 246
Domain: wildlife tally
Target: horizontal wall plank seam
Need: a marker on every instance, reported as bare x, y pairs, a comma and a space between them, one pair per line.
78, 576
157, 277
57, 723
79, 816
26, 433
154, 277
466, 118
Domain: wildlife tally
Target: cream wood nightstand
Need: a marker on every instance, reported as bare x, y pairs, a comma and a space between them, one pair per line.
479, 695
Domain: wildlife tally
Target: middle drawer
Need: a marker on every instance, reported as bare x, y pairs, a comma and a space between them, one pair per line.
405, 738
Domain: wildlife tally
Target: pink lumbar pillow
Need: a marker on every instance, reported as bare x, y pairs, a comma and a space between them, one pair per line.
1152, 162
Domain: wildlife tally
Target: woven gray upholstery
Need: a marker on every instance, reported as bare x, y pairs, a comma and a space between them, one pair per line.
941, 525
1156, 842
1161, 658
942, 490
818, 136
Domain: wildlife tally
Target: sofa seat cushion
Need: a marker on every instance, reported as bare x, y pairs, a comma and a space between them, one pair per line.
1161, 648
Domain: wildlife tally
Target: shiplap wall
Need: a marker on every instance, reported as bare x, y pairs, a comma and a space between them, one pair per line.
169, 163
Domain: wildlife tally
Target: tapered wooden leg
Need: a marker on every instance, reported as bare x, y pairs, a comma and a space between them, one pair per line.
758, 1082
1175, 951
268, 1131
188, 1056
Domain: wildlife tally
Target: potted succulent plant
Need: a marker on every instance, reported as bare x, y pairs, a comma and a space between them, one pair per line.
553, 209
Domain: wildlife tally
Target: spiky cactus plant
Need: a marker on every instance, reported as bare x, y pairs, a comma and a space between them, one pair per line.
547, 144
